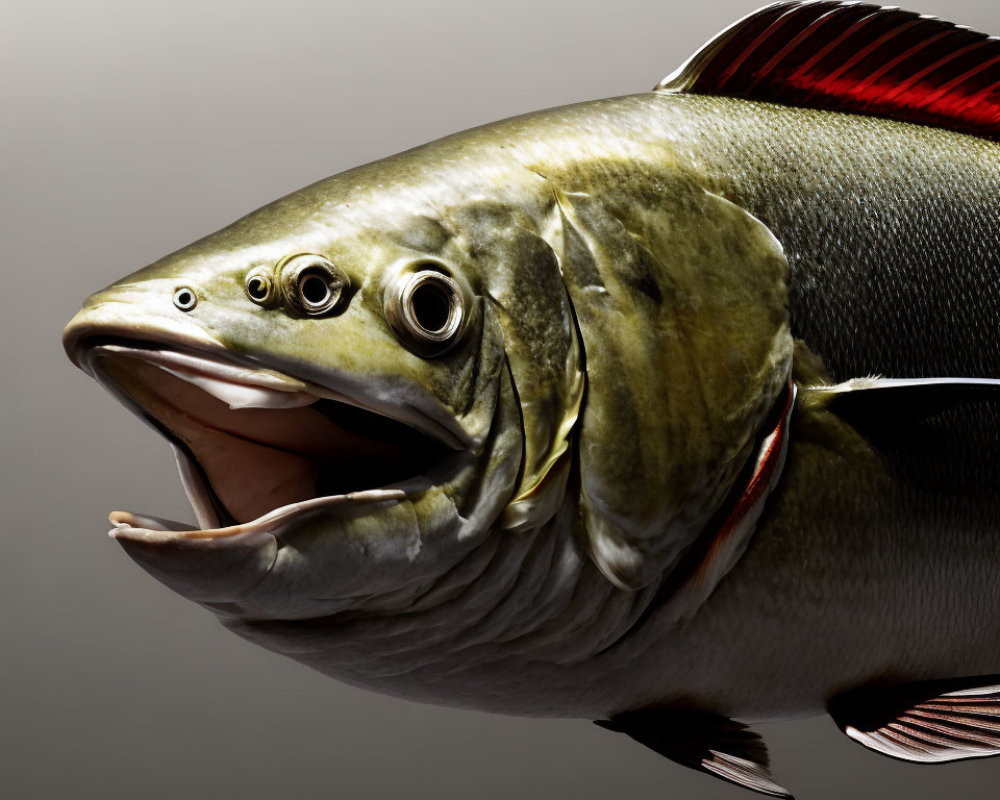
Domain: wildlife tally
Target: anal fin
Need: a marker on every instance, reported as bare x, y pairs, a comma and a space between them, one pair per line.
927, 723
705, 742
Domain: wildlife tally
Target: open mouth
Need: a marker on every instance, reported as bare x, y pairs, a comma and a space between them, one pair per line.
251, 442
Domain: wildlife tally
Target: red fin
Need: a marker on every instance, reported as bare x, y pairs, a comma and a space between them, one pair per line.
854, 57
705, 742
913, 724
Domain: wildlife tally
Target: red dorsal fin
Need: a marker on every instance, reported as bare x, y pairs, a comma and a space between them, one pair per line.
854, 57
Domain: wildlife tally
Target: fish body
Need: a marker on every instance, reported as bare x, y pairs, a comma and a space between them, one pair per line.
590, 413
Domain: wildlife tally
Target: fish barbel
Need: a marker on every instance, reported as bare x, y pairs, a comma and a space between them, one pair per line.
675, 411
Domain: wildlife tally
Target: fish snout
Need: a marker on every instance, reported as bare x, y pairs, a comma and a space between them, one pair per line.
157, 313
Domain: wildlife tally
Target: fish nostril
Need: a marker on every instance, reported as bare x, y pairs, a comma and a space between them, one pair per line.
260, 287
312, 284
257, 289
185, 299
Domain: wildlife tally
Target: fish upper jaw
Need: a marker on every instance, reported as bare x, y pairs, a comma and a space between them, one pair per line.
223, 398
127, 320
142, 314
120, 320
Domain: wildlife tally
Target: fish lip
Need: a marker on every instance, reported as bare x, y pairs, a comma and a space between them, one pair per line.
140, 528
104, 321
83, 338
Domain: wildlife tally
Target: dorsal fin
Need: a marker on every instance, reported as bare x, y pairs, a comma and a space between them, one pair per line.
854, 57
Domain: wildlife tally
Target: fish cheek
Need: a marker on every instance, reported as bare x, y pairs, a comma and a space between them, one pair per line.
522, 277
382, 557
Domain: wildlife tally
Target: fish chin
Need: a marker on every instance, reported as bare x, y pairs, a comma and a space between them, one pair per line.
275, 566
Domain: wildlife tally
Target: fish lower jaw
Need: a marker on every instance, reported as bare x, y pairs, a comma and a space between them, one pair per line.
150, 529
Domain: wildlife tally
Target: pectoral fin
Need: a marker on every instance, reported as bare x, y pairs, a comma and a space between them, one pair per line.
927, 723
908, 396
936, 436
705, 742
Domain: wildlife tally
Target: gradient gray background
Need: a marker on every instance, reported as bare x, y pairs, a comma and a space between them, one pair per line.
130, 129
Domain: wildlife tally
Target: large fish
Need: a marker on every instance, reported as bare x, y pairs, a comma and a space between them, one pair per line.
675, 411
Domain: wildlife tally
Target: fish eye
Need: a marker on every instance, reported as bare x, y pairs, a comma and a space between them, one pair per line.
259, 287
312, 284
427, 311
185, 299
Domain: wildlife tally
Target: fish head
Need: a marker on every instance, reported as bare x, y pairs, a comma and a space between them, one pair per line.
447, 382
335, 388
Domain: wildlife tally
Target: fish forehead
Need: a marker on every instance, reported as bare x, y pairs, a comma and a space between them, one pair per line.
410, 202
403, 199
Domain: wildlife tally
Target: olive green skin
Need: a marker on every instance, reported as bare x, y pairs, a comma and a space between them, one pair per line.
634, 328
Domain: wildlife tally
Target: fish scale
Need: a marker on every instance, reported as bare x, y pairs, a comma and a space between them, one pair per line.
701, 419
919, 203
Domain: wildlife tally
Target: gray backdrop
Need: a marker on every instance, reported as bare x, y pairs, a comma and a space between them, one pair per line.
130, 129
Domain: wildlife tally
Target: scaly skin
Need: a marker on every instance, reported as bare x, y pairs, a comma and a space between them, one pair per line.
637, 240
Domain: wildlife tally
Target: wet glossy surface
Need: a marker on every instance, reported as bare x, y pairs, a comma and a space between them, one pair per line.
98, 633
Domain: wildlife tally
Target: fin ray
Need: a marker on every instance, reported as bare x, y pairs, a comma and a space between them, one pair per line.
912, 724
917, 394
854, 57
705, 742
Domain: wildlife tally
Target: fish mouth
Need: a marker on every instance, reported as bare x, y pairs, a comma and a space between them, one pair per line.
255, 447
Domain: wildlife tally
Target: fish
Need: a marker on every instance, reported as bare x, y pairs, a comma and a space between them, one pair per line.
676, 411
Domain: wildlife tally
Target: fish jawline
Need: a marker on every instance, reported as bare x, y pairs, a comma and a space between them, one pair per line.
141, 527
